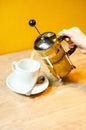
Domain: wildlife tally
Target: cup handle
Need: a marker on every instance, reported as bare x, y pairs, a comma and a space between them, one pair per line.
14, 65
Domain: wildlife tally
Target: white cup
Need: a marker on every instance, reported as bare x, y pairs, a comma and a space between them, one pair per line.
26, 72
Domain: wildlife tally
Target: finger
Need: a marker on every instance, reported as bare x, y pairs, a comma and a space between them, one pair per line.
70, 43
65, 32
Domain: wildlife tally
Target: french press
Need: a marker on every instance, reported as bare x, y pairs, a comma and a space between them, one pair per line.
51, 51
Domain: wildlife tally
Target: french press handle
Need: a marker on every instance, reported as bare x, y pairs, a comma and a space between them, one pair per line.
71, 50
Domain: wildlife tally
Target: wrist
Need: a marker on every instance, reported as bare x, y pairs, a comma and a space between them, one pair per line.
84, 42
81, 42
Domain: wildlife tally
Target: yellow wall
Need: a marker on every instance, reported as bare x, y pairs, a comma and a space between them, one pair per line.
51, 15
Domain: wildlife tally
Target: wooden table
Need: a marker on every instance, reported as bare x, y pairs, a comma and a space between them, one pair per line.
62, 106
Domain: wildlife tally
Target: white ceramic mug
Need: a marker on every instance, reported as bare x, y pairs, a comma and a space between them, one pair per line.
26, 72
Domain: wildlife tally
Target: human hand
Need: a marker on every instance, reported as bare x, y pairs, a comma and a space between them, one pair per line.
76, 37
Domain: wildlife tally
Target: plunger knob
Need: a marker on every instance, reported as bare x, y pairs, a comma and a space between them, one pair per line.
32, 22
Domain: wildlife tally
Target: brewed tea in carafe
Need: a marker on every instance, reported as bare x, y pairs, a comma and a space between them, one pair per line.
51, 51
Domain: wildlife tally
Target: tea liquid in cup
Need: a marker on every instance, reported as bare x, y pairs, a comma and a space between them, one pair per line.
26, 72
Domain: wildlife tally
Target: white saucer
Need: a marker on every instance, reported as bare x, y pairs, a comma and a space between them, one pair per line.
37, 89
